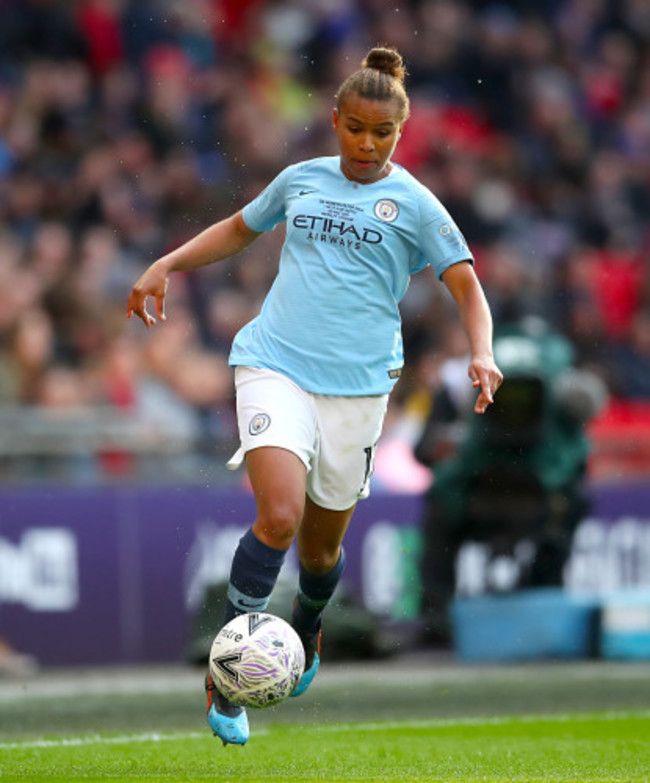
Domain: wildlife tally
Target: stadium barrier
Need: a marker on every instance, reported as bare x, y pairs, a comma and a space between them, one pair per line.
115, 574
528, 624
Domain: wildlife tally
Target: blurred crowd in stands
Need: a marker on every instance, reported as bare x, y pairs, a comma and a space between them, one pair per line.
126, 126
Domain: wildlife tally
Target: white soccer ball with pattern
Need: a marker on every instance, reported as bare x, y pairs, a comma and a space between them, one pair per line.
256, 660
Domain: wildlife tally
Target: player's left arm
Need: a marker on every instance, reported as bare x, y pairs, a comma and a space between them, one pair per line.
475, 315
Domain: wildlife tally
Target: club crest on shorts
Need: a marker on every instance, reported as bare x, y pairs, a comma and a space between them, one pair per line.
387, 210
259, 423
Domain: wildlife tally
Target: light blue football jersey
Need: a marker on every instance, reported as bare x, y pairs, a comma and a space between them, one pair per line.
331, 321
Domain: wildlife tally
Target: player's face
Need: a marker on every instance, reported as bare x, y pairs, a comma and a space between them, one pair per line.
367, 132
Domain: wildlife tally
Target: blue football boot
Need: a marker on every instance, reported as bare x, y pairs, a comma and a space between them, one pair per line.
227, 721
311, 643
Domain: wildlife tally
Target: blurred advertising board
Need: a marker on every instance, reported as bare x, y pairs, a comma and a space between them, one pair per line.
105, 575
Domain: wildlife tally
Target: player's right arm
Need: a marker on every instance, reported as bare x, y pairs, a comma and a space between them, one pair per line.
218, 242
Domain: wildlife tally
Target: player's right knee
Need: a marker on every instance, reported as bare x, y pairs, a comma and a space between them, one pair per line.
277, 526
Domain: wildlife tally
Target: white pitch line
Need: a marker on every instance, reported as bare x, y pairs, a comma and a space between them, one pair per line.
72, 742
434, 723
96, 739
442, 723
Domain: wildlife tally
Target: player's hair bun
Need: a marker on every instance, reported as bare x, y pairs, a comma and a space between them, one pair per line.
380, 78
386, 60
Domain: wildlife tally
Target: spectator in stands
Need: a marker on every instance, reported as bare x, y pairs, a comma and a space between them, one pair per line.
123, 130
630, 362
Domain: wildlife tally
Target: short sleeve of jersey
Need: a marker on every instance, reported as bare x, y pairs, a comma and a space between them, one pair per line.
268, 209
441, 242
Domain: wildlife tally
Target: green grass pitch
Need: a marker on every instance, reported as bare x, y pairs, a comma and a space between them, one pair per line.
395, 721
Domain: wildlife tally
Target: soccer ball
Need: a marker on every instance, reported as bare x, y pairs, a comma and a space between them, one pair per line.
256, 660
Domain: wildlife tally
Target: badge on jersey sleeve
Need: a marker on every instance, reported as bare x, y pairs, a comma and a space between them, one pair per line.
452, 233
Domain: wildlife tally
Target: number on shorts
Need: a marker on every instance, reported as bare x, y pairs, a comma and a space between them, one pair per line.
370, 460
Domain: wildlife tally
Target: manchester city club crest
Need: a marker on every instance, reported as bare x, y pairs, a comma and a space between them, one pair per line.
386, 210
259, 423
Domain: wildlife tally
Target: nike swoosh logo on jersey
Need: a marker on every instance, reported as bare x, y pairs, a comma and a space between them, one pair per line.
305, 192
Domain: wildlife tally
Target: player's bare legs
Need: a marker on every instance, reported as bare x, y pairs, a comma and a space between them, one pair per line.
278, 479
320, 536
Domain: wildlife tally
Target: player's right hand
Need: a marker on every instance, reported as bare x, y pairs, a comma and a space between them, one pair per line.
153, 282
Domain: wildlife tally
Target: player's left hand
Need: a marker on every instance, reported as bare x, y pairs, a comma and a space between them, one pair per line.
488, 377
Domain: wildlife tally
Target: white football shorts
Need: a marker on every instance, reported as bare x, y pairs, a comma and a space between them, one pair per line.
335, 437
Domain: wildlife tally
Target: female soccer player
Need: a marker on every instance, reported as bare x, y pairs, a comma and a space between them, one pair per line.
314, 369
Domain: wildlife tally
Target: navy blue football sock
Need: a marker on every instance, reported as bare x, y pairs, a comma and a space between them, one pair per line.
253, 574
314, 593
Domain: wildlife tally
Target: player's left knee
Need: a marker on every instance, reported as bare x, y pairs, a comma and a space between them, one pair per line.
319, 560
